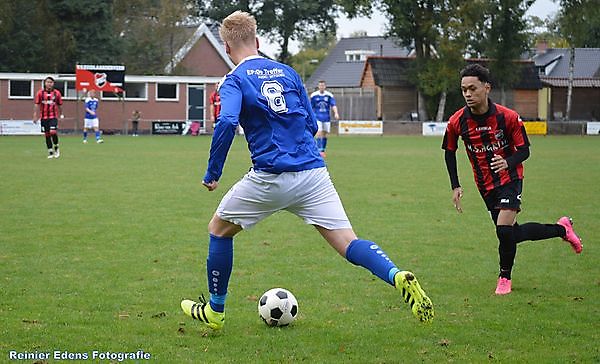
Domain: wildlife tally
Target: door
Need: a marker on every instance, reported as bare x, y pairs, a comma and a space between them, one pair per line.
196, 103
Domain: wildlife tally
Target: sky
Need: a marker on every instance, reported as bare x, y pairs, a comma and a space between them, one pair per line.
375, 25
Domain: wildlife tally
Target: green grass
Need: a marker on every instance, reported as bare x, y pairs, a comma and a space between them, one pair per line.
98, 248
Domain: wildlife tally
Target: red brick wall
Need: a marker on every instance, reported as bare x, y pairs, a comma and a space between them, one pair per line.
113, 114
203, 60
526, 103
585, 103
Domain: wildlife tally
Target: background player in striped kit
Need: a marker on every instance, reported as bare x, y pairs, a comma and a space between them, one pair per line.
215, 105
49, 101
497, 144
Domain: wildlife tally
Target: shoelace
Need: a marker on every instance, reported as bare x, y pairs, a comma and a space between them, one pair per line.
199, 309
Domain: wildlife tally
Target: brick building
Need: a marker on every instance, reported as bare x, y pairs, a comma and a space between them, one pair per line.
199, 63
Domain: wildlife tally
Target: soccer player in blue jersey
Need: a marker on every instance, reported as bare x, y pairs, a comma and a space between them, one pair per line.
91, 120
323, 102
269, 101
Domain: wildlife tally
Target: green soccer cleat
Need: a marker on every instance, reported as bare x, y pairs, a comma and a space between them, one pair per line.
413, 294
203, 312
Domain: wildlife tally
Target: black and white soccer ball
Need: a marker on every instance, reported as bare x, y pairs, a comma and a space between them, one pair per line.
278, 307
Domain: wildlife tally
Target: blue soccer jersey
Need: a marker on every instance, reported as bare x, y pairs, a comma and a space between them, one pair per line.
321, 104
91, 103
268, 100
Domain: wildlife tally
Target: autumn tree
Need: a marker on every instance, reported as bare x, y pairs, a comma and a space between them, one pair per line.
505, 40
280, 21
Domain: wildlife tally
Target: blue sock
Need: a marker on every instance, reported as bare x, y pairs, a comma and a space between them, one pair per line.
85, 135
218, 268
324, 144
98, 135
369, 255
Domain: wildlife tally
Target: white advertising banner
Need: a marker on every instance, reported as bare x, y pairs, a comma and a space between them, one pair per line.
434, 128
19, 127
593, 128
360, 127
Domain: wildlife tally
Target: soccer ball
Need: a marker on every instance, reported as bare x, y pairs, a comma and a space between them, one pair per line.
278, 307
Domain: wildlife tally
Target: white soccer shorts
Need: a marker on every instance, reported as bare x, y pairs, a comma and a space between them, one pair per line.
91, 123
308, 194
324, 126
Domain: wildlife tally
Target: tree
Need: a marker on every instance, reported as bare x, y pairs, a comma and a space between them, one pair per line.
459, 22
439, 31
31, 39
505, 40
279, 20
546, 31
171, 16
444, 32
219, 9
18, 46
416, 24
579, 21
151, 32
87, 28
51, 36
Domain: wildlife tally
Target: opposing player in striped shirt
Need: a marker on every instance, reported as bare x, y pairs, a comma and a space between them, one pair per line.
496, 144
49, 102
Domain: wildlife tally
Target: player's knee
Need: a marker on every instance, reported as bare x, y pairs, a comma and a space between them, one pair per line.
221, 228
47, 134
504, 233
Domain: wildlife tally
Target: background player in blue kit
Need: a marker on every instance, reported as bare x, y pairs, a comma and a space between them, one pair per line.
323, 102
91, 120
269, 101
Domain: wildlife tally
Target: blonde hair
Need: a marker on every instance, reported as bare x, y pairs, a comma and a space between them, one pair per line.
238, 28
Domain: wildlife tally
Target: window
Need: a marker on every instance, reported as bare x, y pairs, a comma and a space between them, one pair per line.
70, 92
18, 89
167, 92
136, 91
67, 89
358, 55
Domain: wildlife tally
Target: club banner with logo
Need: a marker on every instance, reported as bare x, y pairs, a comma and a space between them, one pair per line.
108, 78
19, 127
593, 128
360, 127
536, 127
167, 127
434, 128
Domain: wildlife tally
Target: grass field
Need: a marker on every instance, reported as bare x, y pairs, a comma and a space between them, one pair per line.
97, 249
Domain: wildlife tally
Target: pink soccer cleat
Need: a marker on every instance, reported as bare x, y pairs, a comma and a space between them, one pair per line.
570, 236
504, 286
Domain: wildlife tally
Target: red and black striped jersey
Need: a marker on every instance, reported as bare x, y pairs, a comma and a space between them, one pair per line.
215, 101
48, 101
499, 131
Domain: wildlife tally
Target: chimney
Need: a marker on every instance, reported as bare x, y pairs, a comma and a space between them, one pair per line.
541, 46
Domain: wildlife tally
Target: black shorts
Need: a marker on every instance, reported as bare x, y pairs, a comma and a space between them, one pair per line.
506, 197
49, 124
